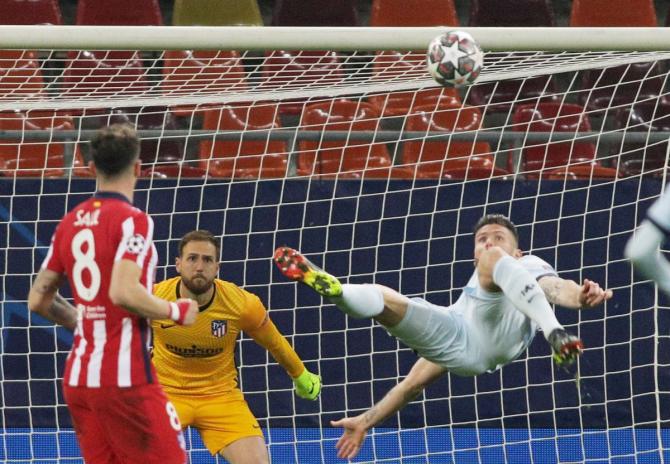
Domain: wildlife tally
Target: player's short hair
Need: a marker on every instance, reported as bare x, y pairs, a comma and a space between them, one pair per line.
114, 149
200, 236
497, 219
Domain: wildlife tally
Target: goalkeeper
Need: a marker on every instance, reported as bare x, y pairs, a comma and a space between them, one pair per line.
492, 323
195, 364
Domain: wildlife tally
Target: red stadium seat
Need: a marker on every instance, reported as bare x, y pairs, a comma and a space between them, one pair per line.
475, 172
212, 71
243, 157
165, 171
432, 158
33, 157
593, 13
389, 13
314, 13
97, 73
404, 103
621, 85
20, 12
303, 69
186, 71
643, 158
119, 13
20, 74
541, 158
511, 13
347, 158
391, 65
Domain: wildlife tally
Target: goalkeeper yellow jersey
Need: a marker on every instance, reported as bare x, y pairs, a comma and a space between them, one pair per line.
200, 357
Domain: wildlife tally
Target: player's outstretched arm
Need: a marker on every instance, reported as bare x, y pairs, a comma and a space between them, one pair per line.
125, 290
355, 428
570, 294
642, 250
307, 384
44, 300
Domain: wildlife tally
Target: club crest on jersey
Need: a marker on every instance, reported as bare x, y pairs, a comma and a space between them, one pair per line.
219, 328
135, 244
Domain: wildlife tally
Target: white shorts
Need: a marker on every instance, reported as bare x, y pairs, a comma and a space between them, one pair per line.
445, 336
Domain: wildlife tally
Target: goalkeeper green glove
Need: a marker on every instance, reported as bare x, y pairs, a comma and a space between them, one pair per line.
307, 385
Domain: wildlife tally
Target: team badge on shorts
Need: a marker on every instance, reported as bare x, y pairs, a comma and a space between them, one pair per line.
219, 328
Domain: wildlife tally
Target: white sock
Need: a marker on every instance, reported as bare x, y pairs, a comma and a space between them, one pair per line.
525, 293
360, 301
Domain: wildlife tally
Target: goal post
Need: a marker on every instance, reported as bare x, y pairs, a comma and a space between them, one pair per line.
337, 142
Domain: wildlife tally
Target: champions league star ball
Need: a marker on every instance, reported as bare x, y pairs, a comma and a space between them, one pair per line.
454, 59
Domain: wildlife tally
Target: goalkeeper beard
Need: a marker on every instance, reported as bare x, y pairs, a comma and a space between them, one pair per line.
198, 284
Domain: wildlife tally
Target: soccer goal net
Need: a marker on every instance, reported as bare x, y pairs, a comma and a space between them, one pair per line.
306, 138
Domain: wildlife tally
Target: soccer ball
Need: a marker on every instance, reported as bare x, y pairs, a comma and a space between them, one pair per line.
454, 59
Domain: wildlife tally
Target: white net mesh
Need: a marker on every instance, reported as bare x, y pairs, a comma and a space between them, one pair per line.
361, 162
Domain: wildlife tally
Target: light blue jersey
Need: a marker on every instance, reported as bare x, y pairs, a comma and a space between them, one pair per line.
659, 212
481, 332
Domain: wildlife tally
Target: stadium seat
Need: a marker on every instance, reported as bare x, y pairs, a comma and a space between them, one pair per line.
303, 69
394, 64
160, 149
243, 157
119, 13
594, 13
390, 65
511, 13
216, 13
165, 171
475, 172
404, 103
152, 149
621, 85
640, 158
98, 73
314, 13
79, 167
186, 71
19, 12
344, 158
503, 95
40, 158
432, 158
390, 13
547, 159
590, 171
20, 74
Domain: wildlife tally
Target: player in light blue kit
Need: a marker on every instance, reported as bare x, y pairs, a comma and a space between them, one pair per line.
494, 320
642, 248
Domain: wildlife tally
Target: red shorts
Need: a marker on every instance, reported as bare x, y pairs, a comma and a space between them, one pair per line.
126, 425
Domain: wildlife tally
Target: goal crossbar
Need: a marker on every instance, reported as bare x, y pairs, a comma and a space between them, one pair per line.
330, 38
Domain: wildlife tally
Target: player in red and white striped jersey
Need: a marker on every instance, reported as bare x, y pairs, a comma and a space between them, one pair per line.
104, 248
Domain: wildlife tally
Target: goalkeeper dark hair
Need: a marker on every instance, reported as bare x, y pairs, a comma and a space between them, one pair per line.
200, 236
114, 149
497, 219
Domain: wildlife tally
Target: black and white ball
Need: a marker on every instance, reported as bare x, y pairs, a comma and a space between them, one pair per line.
454, 59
